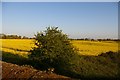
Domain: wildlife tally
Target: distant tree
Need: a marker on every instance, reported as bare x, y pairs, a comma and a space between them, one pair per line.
86, 39
19, 37
92, 40
24, 37
2, 36
99, 39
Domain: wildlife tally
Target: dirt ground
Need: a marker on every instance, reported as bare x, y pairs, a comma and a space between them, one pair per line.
13, 72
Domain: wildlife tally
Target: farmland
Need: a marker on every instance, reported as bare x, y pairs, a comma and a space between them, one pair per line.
17, 46
95, 47
16, 50
23, 46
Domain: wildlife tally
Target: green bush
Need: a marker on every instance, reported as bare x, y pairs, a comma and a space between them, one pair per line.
102, 66
53, 49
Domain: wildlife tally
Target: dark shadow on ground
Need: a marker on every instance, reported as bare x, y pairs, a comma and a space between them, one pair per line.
20, 60
14, 58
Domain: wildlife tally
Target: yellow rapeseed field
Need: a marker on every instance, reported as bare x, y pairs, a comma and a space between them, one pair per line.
22, 46
17, 46
95, 47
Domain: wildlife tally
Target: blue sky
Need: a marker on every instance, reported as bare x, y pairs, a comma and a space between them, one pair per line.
0, 17
59, 0
77, 19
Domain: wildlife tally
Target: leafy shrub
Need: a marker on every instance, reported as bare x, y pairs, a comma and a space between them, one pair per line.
113, 56
53, 49
103, 66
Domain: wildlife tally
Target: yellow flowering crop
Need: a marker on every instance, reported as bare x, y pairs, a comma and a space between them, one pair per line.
95, 47
23, 46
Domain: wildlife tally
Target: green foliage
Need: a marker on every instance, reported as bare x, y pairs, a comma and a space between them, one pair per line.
102, 66
14, 58
53, 49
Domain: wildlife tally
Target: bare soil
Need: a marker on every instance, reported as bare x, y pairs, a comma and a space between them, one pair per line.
13, 72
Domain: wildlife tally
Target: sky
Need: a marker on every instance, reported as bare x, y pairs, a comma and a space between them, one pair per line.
0, 17
60, 0
76, 19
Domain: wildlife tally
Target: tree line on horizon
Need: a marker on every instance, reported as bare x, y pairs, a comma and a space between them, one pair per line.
4, 36
88, 39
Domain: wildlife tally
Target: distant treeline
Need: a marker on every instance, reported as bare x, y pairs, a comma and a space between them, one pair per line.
4, 36
87, 39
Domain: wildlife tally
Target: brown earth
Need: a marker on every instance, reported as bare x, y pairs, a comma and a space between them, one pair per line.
13, 72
